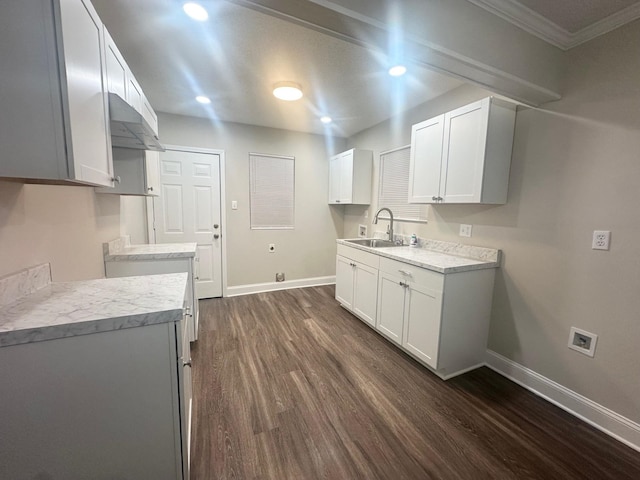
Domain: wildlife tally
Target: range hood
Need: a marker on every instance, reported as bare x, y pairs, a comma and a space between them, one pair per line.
129, 129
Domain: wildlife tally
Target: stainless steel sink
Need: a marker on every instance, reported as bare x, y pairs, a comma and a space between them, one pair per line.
374, 243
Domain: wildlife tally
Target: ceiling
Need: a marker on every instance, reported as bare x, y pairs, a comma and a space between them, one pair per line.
237, 56
565, 23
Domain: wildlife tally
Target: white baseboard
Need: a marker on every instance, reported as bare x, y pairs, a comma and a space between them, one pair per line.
273, 286
608, 421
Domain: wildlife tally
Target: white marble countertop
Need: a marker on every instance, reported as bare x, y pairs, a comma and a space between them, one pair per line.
437, 256
67, 309
121, 250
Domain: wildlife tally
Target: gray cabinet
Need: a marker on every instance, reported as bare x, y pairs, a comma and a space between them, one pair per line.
136, 172
114, 404
53, 93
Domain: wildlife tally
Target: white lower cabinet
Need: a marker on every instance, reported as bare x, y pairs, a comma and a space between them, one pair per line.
357, 282
442, 320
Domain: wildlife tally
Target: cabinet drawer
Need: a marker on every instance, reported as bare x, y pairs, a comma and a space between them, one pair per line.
421, 276
359, 256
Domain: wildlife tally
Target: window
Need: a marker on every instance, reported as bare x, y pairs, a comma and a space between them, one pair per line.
393, 190
272, 199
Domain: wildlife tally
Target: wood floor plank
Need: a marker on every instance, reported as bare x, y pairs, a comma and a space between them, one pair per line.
289, 385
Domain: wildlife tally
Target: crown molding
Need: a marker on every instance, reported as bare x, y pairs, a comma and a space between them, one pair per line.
543, 28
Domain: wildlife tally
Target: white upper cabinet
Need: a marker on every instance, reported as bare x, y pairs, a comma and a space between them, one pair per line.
117, 69
350, 177
464, 155
53, 92
120, 80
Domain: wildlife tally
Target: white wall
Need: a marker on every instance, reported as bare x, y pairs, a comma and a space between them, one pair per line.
575, 169
62, 225
306, 252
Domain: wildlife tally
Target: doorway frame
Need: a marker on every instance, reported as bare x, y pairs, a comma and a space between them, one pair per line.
151, 231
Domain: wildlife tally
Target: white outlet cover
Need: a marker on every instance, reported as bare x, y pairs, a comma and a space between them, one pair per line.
601, 240
362, 231
234, 204
465, 230
576, 333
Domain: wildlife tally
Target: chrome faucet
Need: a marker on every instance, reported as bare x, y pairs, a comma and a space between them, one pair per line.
390, 229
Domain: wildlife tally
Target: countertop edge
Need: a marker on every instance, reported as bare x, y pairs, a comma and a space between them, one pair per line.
102, 325
446, 270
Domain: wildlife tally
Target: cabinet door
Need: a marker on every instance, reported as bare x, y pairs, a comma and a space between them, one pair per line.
423, 309
152, 172
346, 177
88, 108
425, 160
116, 68
344, 281
465, 136
390, 315
134, 94
149, 114
365, 292
334, 179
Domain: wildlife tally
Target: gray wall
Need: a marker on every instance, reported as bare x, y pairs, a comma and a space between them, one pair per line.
306, 252
575, 169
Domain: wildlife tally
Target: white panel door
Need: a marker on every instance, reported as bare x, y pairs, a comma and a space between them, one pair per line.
84, 55
390, 317
425, 160
365, 293
464, 152
344, 281
188, 210
423, 308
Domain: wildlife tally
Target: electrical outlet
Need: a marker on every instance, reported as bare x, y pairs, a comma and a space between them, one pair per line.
465, 230
362, 231
272, 247
601, 240
234, 204
582, 341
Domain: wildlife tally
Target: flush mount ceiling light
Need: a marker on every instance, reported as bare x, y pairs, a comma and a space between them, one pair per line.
397, 70
326, 119
195, 11
287, 91
203, 100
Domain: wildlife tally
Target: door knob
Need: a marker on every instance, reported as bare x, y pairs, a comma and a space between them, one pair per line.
216, 236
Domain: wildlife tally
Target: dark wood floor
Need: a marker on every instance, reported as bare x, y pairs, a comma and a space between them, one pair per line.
288, 385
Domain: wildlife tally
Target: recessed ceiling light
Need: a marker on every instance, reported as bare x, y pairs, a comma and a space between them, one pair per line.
326, 119
288, 91
195, 11
202, 99
397, 70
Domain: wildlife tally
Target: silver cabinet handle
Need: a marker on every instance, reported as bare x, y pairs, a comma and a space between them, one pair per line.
216, 225
196, 277
186, 364
116, 179
150, 189
406, 272
216, 236
434, 198
337, 201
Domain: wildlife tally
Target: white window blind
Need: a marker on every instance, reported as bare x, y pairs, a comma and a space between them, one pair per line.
272, 192
393, 190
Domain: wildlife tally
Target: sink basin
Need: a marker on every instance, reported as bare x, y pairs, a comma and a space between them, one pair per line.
374, 243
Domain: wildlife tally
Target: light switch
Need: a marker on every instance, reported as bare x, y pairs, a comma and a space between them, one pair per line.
234, 204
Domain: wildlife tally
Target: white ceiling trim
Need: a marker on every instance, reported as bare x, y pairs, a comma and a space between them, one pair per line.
543, 28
